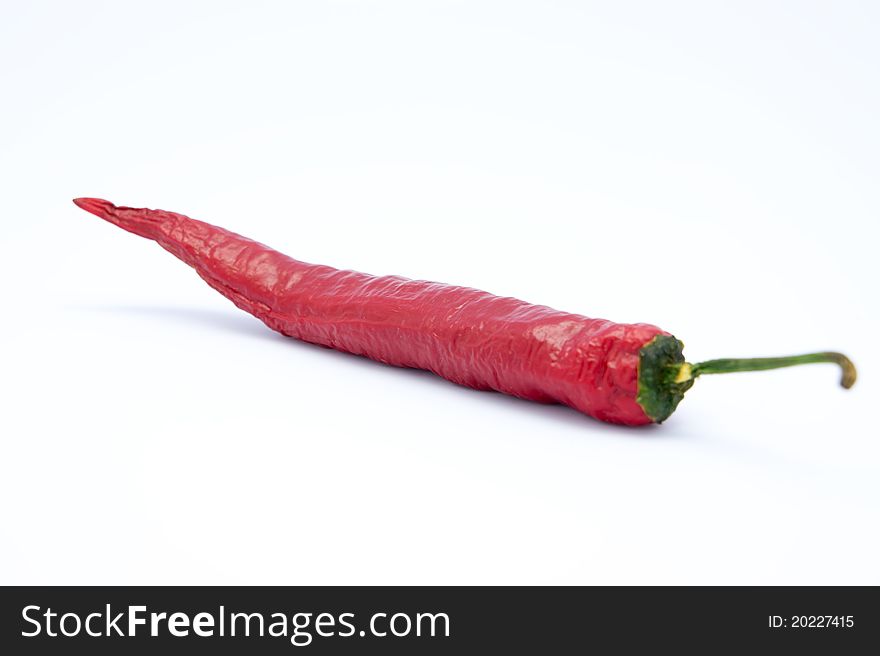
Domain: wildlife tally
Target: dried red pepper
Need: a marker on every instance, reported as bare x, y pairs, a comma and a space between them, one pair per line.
623, 373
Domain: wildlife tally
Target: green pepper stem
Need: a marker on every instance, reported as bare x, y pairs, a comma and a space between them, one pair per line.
848, 369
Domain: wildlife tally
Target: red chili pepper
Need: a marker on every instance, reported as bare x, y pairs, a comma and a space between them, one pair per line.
623, 373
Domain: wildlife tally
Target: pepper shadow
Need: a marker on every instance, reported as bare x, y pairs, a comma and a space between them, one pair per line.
228, 321
244, 325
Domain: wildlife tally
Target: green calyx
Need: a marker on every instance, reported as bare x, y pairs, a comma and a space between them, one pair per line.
664, 375
660, 392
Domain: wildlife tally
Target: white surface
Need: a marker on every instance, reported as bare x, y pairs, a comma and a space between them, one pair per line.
710, 168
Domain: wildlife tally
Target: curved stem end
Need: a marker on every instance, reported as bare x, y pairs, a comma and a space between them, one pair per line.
848, 370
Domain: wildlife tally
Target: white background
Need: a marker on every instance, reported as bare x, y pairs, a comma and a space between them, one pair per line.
710, 168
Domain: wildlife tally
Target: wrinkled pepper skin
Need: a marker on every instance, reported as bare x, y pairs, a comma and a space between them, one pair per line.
467, 336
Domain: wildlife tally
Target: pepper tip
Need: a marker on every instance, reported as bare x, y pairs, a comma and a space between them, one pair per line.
96, 206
